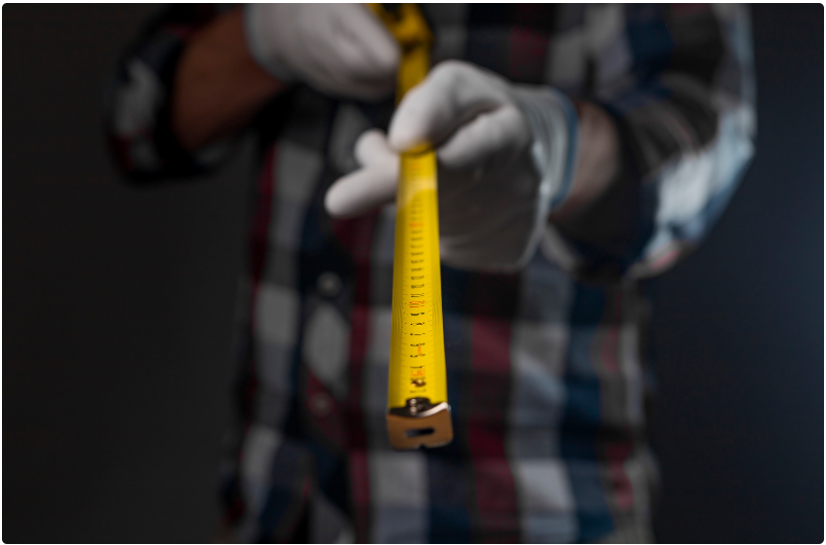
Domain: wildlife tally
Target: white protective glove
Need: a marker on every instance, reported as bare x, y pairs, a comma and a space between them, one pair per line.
506, 156
338, 49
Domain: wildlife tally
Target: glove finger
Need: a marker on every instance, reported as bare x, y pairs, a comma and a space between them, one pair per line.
362, 191
347, 52
348, 57
332, 72
487, 137
372, 149
329, 78
378, 52
357, 50
453, 93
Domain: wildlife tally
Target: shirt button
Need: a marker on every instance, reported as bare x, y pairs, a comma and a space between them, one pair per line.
321, 404
329, 284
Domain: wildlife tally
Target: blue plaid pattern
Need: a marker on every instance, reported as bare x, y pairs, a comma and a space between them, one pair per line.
546, 367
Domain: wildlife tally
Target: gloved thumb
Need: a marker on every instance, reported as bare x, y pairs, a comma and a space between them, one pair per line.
371, 186
452, 94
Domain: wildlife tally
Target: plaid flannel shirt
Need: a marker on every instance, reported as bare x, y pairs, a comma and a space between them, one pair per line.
546, 367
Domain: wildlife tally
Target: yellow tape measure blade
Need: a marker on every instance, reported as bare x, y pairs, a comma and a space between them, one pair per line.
418, 412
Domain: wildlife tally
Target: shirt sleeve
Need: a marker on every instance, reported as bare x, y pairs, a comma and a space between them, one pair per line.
137, 118
679, 82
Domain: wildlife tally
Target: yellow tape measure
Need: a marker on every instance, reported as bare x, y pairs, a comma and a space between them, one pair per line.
417, 413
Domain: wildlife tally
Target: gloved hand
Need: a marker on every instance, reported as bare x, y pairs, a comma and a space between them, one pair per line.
505, 154
339, 49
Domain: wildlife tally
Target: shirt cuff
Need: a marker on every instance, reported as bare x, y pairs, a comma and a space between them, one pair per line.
555, 127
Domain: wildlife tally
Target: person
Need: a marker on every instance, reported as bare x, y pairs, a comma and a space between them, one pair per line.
581, 149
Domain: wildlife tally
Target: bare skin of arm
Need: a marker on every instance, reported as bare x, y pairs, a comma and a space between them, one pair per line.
601, 206
219, 88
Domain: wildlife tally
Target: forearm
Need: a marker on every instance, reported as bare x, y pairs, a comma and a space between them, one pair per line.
601, 205
218, 85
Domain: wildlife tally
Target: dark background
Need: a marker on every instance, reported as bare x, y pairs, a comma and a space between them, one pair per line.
117, 309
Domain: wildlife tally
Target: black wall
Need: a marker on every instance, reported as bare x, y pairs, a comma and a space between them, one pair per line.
117, 309
739, 326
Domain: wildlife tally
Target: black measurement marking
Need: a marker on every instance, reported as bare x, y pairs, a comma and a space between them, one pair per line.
417, 286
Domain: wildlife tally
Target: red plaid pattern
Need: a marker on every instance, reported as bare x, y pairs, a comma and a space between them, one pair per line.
546, 372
